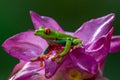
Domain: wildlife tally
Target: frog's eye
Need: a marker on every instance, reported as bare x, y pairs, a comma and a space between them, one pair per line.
47, 31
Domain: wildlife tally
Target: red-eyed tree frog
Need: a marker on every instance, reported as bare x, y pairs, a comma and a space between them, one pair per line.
55, 39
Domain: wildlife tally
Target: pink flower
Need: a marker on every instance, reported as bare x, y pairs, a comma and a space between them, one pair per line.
83, 63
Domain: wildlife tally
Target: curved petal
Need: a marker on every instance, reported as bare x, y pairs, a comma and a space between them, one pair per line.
44, 21
39, 76
29, 70
51, 66
115, 44
100, 48
95, 28
84, 62
18, 67
25, 45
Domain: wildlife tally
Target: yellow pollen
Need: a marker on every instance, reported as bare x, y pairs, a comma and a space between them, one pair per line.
73, 74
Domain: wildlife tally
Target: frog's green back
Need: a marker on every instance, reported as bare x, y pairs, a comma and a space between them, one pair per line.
47, 33
63, 36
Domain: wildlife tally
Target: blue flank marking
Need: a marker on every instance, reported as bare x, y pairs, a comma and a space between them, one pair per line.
61, 41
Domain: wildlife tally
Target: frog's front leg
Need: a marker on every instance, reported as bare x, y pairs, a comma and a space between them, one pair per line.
65, 51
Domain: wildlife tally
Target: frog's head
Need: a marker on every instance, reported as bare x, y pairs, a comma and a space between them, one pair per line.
46, 33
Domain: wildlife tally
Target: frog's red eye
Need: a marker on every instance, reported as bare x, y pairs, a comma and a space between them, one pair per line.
47, 31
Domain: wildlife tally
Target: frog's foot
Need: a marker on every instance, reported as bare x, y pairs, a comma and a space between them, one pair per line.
39, 58
74, 47
57, 57
58, 51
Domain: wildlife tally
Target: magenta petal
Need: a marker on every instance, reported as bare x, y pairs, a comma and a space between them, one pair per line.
95, 28
115, 44
25, 45
29, 70
51, 67
84, 62
100, 48
44, 21
17, 68
39, 76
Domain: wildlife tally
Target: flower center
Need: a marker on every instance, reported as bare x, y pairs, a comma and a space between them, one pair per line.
74, 74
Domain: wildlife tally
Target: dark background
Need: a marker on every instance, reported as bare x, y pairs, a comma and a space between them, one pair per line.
70, 14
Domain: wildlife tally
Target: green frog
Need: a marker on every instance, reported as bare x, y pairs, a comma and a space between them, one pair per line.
55, 39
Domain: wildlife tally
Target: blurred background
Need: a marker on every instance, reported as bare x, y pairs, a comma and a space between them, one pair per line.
70, 14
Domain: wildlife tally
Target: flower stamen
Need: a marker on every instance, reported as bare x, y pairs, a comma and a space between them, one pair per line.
74, 74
